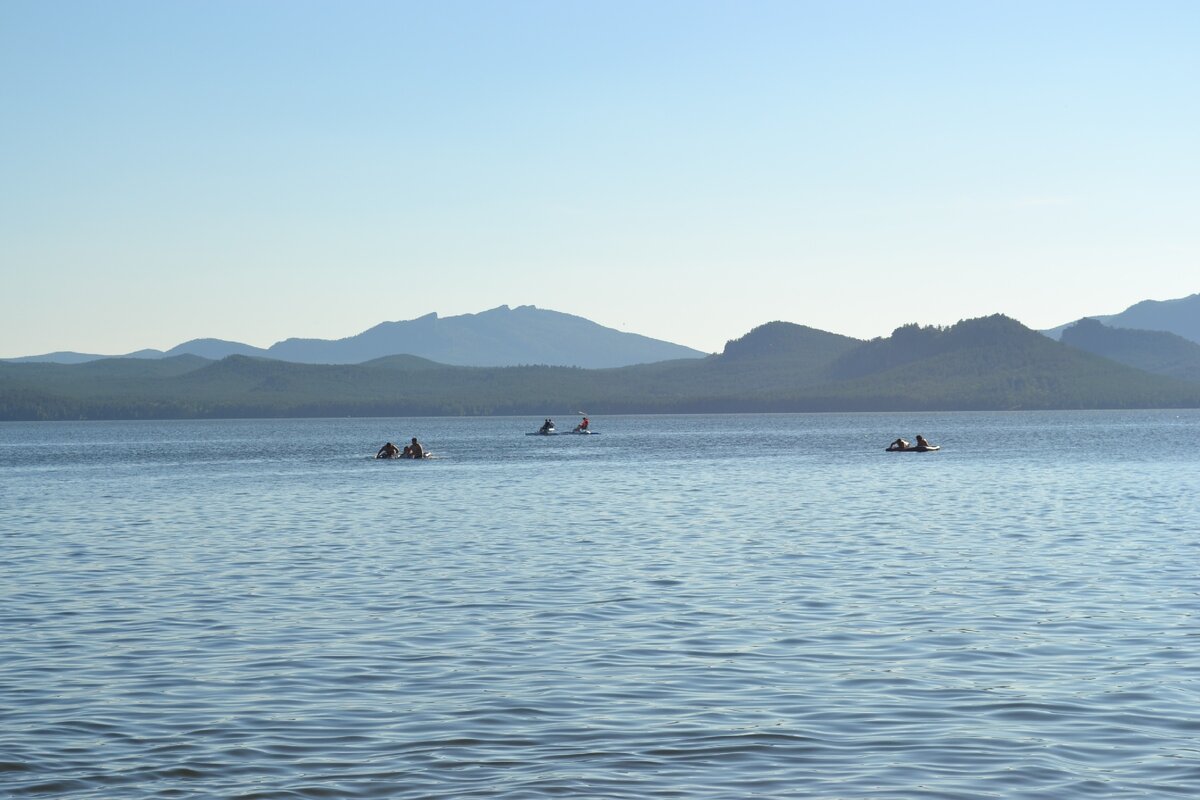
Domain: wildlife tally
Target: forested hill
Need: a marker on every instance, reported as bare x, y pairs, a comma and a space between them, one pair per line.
994, 363
786, 340
987, 363
1153, 351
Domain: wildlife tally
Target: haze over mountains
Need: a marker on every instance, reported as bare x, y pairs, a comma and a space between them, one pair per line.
505, 336
501, 336
988, 363
985, 364
1180, 317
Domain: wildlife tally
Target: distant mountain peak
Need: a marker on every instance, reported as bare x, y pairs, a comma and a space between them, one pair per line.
500, 336
1178, 301
214, 349
1180, 316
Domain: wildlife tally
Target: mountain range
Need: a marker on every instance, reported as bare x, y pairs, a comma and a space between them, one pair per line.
988, 363
502, 336
506, 336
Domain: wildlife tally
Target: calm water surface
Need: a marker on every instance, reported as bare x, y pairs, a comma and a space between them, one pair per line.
682, 607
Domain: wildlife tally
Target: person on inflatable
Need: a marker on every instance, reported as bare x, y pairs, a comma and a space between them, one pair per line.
416, 450
389, 450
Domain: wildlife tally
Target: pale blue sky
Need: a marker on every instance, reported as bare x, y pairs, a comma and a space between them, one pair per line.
684, 170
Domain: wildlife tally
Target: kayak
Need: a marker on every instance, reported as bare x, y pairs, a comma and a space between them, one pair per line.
929, 449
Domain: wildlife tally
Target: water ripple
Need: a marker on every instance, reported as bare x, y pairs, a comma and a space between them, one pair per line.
540, 622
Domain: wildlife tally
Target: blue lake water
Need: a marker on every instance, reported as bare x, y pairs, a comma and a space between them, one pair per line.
683, 607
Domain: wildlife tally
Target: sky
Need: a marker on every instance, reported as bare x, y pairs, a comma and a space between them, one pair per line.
683, 170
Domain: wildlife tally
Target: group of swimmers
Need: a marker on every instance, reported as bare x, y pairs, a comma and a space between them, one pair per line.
416, 450
548, 425
413, 450
903, 444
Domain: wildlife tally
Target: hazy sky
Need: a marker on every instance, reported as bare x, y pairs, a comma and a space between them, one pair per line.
684, 170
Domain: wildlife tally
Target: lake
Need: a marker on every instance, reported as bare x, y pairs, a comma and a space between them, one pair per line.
682, 607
